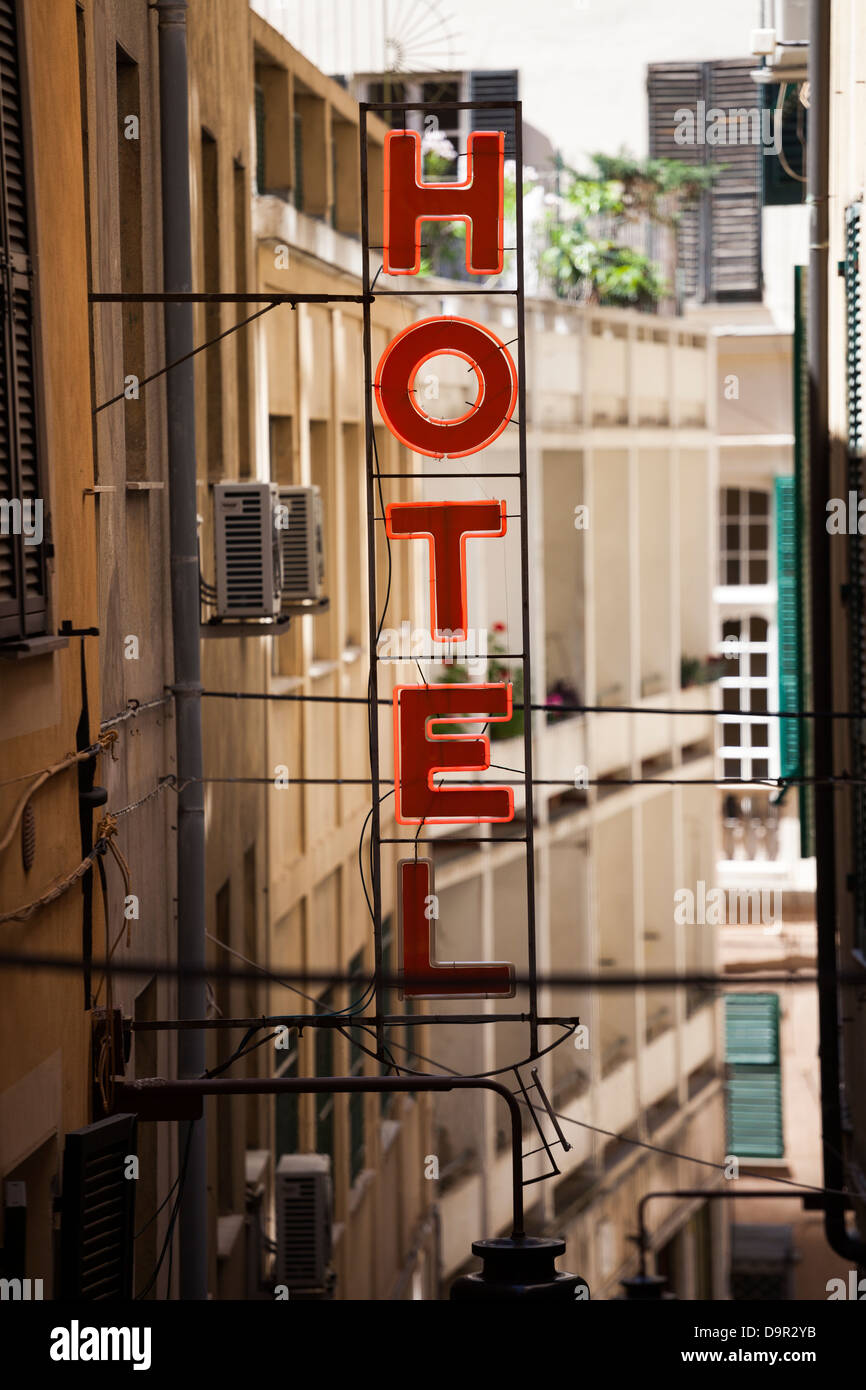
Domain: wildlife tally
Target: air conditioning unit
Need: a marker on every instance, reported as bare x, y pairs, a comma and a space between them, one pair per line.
248, 550
302, 547
303, 1205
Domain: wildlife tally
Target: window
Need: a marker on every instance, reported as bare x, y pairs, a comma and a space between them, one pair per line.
223, 1050
210, 225
259, 109
324, 1054
744, 550
23, 523
392, 90
129, 209
243, 340
286, 1109
754, 1081
785, 182
298, 148
357, 1099
719, 234
789, 622
386, 1098
439, 164
749, 733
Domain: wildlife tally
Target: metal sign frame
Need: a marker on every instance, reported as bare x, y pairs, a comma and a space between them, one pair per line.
373, 480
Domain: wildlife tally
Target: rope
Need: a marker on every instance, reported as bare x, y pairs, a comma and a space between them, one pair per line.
104, 742
22, 914
106, 831
104, 842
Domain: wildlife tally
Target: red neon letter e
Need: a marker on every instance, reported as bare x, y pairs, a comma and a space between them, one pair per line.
478, 202
446, 526
429, 979
419, 754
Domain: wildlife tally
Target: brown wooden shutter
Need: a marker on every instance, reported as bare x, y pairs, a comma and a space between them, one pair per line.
491, 85
98, 1211
735, 200
719, 240
671, 86
22, 567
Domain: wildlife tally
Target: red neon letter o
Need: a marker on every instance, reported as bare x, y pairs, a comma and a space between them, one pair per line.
494, 371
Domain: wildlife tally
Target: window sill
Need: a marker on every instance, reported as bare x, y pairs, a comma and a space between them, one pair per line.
26, 647
388, 1131
360, 1188
318, 669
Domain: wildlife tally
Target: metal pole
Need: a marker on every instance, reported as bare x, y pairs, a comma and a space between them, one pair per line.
716, 1194
524, 584
373, 618
180, 413
152, 1096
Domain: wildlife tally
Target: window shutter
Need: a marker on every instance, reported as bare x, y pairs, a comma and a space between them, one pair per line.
754, 1083
495, 86
670, 87
735, 197
98, 1211
856, 605
790, 664
801, 473
22, 567
719, 242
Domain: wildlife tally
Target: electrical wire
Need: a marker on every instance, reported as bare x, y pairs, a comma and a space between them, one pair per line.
544, 706
135, 708
167, 1243
841, 779
583, 1124
103, 744
145, 380
103, 845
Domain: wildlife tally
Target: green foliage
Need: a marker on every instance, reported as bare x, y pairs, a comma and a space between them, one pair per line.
456, 673
615, 275
619, 188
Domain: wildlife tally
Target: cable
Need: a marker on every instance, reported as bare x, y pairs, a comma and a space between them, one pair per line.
167, 1243
102, 845
597, 1129
544, 706
133, 709
24, 913
187, 355
151, 1219
311, 998
842, 779
102, 744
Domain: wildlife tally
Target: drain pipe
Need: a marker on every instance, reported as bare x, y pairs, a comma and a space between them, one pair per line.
180, 412
818, 157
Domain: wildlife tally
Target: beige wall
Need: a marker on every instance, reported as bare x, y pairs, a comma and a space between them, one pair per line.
44, 1079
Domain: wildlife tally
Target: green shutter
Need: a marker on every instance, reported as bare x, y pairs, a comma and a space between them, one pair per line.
754, 1081
855, 608
790, 663
801, 473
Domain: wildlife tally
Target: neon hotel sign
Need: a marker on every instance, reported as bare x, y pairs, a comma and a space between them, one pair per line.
424, 756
